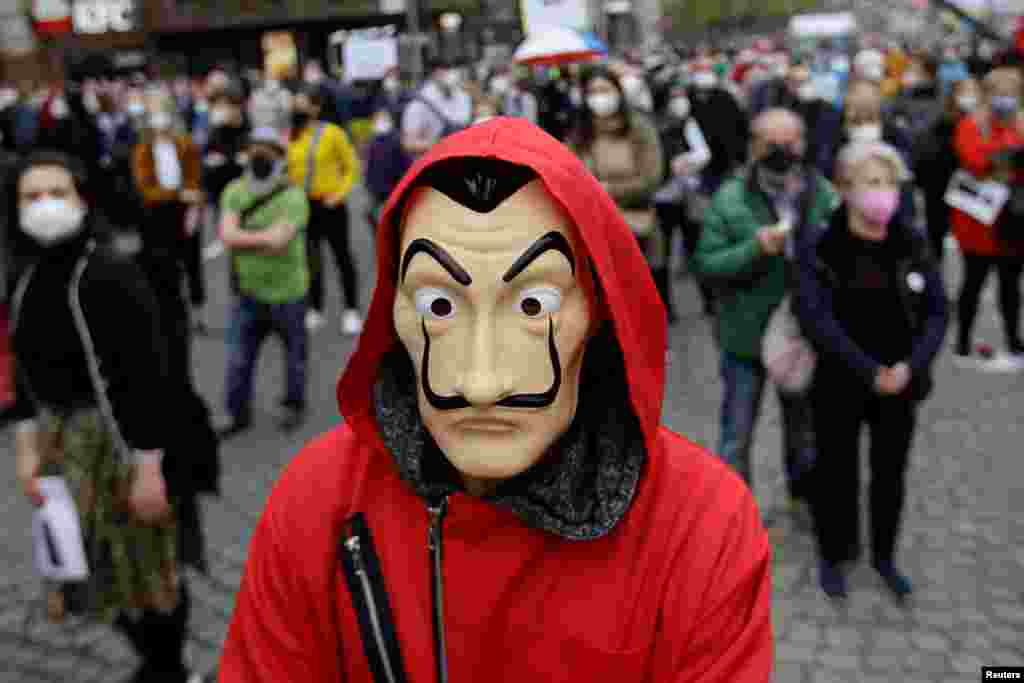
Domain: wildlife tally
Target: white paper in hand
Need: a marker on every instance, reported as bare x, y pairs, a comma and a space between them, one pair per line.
57, 535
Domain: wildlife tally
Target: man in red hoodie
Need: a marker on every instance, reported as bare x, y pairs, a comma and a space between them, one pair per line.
501, 502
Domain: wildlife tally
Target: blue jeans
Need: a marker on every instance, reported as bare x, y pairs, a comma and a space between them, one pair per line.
744, 381
251, 322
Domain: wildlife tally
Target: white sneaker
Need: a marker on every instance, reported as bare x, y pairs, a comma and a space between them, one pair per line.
1006, 362
314, 320
351, 322
1002, 363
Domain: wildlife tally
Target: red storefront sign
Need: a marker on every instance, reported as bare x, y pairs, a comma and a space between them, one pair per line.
51, 17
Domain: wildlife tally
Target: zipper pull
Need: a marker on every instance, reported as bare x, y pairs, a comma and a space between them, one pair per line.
355, 550
437, 512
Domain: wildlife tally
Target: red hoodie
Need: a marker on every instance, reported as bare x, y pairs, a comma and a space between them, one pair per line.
340, 569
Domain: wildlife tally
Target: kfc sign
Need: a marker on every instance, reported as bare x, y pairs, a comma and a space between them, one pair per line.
102, 16
51, 17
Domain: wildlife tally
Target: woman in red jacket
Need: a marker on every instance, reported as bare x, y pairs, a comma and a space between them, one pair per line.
994, 128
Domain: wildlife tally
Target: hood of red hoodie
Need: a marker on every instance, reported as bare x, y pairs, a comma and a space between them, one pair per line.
631, 302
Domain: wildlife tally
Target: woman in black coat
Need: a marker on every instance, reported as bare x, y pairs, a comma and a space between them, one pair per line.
97, 407
872, 303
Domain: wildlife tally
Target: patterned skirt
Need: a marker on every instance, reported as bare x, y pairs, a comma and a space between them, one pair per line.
132, 565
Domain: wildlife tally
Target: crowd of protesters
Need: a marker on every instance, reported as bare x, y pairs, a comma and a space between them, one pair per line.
815, 185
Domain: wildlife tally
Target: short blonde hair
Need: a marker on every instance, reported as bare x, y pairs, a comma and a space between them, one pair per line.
855, 154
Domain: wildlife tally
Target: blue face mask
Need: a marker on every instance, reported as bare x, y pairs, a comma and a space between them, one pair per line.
1004, 106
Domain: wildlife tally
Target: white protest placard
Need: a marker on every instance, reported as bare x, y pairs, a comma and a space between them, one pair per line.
982, 200
369, 56
540, 14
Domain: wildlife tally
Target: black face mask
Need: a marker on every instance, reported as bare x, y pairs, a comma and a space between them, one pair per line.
779, 160
300, 119
262, 167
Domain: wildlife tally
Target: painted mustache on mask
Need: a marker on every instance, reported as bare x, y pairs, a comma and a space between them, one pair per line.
458, 402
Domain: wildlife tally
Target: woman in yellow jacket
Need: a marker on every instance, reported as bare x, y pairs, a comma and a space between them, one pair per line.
323, 162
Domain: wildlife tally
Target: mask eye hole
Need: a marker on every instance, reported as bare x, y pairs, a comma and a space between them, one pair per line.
538, 301
434, 303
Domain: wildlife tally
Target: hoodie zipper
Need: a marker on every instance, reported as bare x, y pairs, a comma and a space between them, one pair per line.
370, 600
437, 512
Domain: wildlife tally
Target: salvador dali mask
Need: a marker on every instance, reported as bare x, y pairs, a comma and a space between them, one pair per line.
495, 309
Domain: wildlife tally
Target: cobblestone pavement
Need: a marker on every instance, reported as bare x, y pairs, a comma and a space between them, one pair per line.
963, 543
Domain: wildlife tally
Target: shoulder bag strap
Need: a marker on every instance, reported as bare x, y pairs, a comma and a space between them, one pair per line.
311, 158
248, 211
446, 123
99, 384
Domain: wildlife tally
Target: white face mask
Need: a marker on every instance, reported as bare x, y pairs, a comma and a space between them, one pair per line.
7, 98
868, 132
91, 102
704, 80
632, 83
603, 104
873, 72
500, 85
575, 97
136, 109
806, 92
59, 108
160, 121
679, 107
391, 84
51, 220
840, 65
967, 103
383, 126
452, 78
219, 116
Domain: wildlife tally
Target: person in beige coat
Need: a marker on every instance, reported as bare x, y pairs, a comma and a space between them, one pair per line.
622, 149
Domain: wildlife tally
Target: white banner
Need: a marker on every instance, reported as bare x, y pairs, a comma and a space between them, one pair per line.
369, 58
567, 13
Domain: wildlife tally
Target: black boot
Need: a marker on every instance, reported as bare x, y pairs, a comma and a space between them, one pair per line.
159, 639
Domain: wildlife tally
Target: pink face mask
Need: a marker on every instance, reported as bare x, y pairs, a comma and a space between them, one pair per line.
877, 206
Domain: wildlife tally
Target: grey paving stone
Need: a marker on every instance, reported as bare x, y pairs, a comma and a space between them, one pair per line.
843, 638
841, 661
792, 653
887, 662
1010, 613
832, 676
967, 664
890, 640
786, 672
1007, 636
936, 619
805, 634
975, 642
1008, 657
